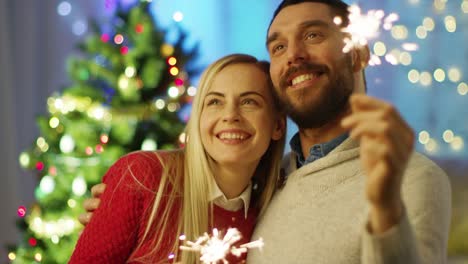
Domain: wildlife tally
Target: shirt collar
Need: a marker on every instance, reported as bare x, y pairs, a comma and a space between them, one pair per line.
234, 204
317, 151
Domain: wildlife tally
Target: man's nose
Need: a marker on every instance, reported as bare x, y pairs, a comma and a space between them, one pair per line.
296, 52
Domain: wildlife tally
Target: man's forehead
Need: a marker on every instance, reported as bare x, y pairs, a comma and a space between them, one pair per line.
298, 15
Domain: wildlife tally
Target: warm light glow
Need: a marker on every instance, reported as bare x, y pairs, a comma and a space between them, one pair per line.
450, 24
379, 48
54, 122
130, 71
448, 136
399, 32
431, 146
191, 91
71, 203
421, 32
454, 74
428, 23
167, 50
439, 5
47, 184
413, 76
172, 107
424, 137
123, 82
174, 71
462, 88
457, 143
40, 142
160, 104
24, 159
172, 61
173, 92
67, 144
38, 257
464, 6
425, 78
11, 256
406, 58
182, 137
439, 75
149, 144
79, 186
55, 239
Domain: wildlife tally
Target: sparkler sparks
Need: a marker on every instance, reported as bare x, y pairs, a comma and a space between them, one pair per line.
215, 248
363, 28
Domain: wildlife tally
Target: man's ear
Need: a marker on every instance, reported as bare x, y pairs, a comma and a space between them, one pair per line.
280, 128
360, 58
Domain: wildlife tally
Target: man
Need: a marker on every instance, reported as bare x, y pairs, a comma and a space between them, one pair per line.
362, 198
355, 191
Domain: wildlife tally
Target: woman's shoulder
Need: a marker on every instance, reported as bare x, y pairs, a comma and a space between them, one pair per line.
143, 167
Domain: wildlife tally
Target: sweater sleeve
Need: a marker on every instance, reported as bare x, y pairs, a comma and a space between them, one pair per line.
112, 233
422, 233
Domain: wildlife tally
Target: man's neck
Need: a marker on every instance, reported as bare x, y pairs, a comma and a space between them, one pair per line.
312, 136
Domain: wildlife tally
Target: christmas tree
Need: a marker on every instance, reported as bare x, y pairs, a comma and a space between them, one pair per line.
127, 92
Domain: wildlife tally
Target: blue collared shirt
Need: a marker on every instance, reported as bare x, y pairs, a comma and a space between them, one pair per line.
317, 151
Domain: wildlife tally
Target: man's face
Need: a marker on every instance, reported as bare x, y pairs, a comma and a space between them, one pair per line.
313, 78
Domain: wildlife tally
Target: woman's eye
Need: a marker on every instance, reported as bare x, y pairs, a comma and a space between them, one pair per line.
213, 102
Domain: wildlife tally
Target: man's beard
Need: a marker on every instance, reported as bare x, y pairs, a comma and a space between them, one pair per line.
333, 99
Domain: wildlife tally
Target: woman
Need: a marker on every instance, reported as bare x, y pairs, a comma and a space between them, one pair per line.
235, 140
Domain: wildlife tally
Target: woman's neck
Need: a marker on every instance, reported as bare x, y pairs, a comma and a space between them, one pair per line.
232, 180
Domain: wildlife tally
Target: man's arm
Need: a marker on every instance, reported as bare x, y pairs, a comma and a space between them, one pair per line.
92, 203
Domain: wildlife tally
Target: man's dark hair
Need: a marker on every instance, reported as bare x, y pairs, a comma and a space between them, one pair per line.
338, 7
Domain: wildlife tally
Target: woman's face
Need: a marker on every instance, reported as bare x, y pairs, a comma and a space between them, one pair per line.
238, 118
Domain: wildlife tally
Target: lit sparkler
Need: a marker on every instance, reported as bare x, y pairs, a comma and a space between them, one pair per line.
215, 248
364, 27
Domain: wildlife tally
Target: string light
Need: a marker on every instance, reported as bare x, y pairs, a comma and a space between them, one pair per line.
178, 16
118, 39
21, 211
64, 8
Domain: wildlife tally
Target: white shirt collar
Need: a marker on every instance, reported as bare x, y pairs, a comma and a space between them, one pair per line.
234, 204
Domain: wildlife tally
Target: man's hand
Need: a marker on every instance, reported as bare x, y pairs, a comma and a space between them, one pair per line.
92, 203
386, 143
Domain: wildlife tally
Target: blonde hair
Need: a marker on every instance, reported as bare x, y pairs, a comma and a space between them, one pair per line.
197, 173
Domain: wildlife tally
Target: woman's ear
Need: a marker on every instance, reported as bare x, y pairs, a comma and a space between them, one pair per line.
360, 58
279, 129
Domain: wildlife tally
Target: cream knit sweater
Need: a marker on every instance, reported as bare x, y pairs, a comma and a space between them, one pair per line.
320, 215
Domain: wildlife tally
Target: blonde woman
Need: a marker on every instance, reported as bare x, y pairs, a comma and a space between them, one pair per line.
224, 177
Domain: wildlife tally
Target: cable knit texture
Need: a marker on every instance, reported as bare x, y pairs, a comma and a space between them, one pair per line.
320, 215
118, 224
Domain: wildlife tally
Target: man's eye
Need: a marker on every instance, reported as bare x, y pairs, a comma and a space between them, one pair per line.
249, 101
277, 48
311, 35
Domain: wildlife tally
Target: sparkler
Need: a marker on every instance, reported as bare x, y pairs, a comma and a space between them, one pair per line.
215, 248
364, 27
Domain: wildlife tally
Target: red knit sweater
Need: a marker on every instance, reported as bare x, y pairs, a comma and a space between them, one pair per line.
117, 226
